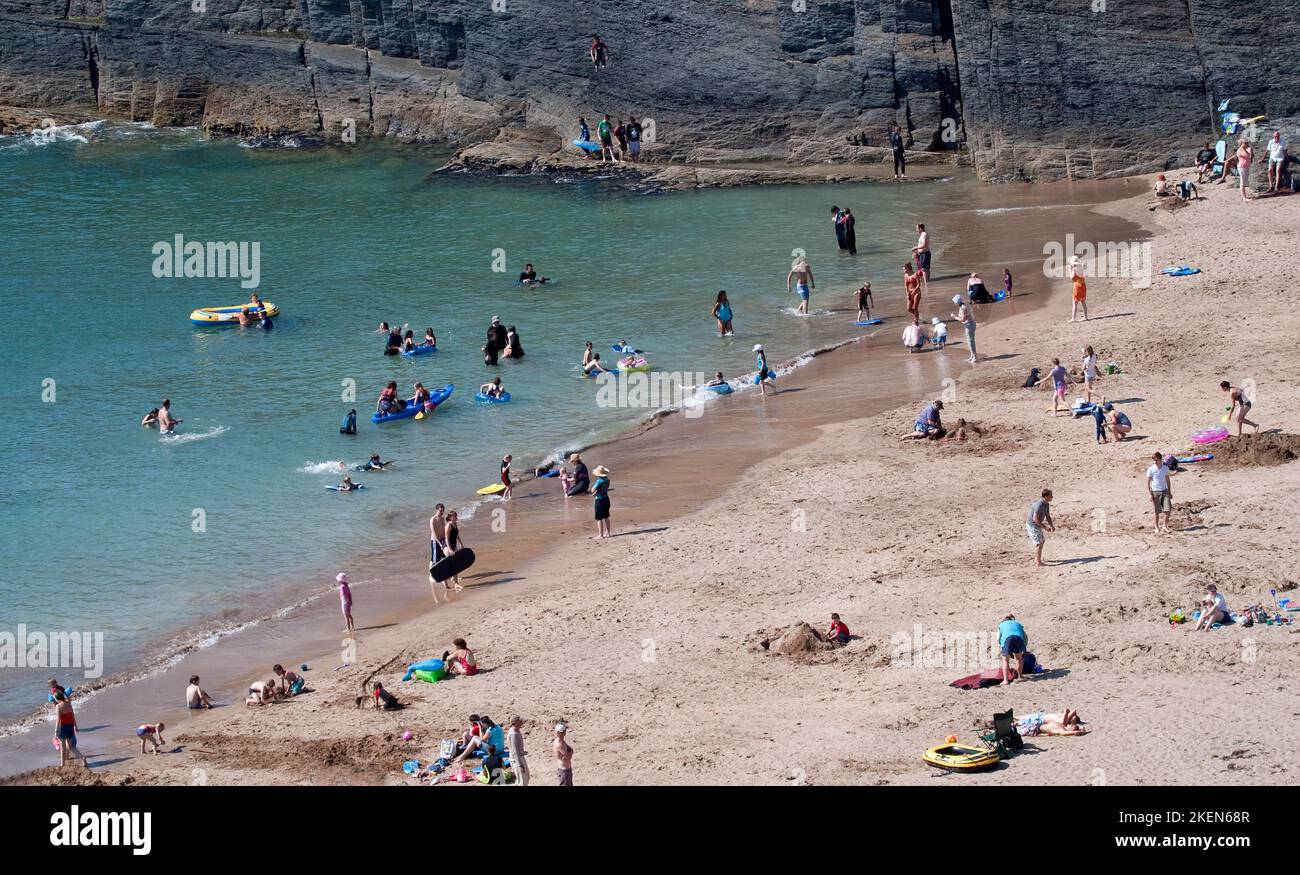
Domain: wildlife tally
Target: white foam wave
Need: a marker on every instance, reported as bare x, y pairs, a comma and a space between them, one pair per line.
190, 436
323, 467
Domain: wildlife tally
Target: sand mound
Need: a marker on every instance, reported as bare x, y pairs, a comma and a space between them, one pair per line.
1258, 449
797, 639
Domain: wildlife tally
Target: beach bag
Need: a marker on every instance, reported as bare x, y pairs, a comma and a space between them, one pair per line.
447, 749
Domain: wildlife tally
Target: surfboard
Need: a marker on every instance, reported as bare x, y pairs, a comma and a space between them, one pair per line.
870, 322
493, 489
554, 472
452, 565
1199, 457
337, 488
589, 145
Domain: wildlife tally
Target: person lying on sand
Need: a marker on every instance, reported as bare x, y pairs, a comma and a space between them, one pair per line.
1063, 723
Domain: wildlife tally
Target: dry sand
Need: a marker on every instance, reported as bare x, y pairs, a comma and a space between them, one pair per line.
648, 644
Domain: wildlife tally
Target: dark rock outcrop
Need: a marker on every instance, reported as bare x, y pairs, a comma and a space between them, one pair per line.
1034, 88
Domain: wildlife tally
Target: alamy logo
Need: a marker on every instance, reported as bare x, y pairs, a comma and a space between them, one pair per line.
180, 258
77, 828
23, 649
1122, 259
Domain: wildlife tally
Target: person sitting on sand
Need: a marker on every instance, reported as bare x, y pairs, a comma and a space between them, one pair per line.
152, 734
261, 693
1117, 421
460, 660
291, 683
914, 336
488, 734
384, 700
150, 419
195, 698
1214, 609
1062, 723
837, 631
928, 423
1162, 186
1014, 641
1205, 160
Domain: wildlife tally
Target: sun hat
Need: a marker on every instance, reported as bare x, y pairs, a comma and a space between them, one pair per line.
560, 727
956, 299
934, 320
342, 578
601, 471
758, 347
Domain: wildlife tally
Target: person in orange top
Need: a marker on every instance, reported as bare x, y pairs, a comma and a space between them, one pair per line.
1080, 289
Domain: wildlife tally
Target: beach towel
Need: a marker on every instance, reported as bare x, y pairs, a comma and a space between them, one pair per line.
986, 678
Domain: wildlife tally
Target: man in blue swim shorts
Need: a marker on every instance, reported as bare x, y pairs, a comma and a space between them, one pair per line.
801, 276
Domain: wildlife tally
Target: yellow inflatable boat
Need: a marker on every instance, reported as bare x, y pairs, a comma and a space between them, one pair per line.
961, 757
227, 315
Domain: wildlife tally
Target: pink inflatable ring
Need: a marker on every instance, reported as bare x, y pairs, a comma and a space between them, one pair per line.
1210, 435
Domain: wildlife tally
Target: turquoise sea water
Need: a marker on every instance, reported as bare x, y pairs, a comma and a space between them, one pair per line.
97, 514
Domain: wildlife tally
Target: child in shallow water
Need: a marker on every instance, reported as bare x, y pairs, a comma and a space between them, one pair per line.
151, 733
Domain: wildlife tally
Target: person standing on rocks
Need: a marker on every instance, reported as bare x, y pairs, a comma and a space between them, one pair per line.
633, 139
900, 157
620, 134
605, 131
599, 52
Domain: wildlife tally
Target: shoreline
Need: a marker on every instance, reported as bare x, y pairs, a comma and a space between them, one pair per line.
393, 599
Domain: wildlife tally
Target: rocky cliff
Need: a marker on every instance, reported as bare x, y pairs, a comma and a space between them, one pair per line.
1035, 88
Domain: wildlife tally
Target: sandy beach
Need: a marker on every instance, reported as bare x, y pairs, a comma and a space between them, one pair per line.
649, 644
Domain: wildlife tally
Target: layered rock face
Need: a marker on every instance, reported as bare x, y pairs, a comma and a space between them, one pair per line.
1056, 89
1036, 88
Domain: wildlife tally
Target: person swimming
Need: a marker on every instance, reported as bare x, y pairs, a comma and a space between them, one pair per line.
374, 464
347, 485
394, 343
408, 342
595, 367
530, 278
150, 419
430, 340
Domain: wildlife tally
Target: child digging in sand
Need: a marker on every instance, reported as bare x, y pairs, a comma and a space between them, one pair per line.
151, 733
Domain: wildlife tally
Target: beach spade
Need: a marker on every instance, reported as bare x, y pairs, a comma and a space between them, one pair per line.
1223, 418
420, 415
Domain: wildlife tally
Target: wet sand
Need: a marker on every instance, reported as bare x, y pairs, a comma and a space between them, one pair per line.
660, 475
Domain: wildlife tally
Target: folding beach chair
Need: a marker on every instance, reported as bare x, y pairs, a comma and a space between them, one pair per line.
1004, 736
